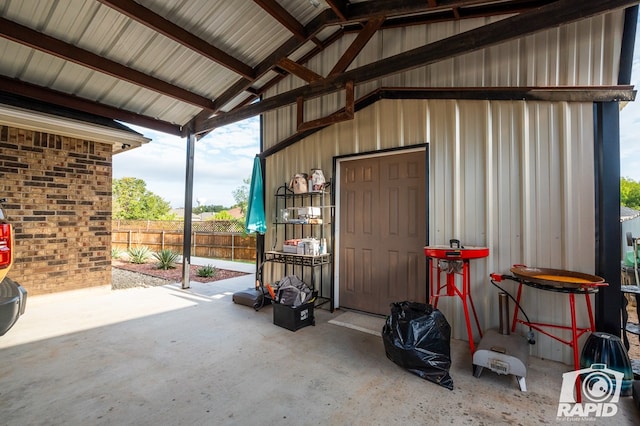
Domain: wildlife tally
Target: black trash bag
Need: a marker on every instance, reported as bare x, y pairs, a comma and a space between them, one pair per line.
417, 337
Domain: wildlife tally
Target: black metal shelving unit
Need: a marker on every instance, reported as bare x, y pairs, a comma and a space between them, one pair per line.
305, 265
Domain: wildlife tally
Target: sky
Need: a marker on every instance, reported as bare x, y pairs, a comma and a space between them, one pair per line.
222, 160
630, 123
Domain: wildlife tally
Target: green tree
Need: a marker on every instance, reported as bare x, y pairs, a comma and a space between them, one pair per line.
630, 193
210, 208
241, 195
132, 200
223, 215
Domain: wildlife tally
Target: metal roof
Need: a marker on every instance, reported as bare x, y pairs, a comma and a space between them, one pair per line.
169, 65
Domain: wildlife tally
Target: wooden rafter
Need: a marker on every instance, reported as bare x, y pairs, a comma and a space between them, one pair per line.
348, 16
339, 7
281, 15
551, 94
346, 114
44, 94
551, 15
156, 22
44, 43
359, 12
358, 44
298, 70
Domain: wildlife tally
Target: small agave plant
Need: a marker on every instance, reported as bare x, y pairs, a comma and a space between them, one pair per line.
139, 255
116, 253
166, 259
208, 271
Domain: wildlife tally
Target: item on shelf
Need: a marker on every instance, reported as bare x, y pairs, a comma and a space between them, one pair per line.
300, 237
317, 181
294, 218
299, 183
301, 215
311, 246
308, 212
291, 246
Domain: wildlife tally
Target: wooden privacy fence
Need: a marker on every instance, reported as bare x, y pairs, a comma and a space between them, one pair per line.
220, 239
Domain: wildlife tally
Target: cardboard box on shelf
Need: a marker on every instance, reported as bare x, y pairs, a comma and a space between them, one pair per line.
292, 246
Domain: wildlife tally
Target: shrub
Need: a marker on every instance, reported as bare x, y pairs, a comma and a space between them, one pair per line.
166, 259
116, 253
208, 271
139, 254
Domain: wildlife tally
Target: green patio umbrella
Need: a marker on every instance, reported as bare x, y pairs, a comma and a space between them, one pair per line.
255, 221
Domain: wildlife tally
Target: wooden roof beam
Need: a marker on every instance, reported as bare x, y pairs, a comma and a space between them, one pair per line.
339, 7
281, 15
44, 94
298, 70
358, 12
358, 44
260, 90
552, 15
44, 43
347, 113
156, 22
551, 94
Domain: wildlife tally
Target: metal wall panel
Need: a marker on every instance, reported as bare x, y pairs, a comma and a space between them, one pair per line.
516, 177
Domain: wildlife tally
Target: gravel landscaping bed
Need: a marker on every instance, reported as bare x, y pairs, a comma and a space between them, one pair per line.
129, 275
121, 279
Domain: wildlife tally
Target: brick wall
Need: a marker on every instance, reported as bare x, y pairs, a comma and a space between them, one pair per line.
58, 192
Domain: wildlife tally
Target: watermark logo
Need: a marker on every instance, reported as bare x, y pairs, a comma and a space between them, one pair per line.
600, 388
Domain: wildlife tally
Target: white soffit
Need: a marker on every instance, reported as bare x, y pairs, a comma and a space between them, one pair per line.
42, 122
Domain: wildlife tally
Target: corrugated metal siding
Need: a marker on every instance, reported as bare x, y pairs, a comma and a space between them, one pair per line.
584, 53
516, 177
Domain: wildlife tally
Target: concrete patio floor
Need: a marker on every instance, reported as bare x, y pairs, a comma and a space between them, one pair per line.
168, 356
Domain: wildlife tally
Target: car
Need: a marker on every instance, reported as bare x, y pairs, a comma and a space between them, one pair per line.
13, 297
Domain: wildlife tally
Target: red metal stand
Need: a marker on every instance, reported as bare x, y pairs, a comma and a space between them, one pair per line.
576, 331
461, 256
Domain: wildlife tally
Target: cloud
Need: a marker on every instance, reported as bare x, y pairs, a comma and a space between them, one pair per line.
222, 159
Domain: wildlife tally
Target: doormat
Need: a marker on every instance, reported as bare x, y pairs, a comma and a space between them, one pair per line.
362, 322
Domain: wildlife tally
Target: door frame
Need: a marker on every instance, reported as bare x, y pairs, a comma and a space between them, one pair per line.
335, 224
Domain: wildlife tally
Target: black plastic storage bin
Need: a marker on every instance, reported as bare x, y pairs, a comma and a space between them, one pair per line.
293, 318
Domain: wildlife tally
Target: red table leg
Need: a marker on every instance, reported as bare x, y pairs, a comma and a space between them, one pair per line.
574, 344
575, 331
452, 290
517, 309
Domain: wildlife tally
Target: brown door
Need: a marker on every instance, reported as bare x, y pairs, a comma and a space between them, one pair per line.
382, 231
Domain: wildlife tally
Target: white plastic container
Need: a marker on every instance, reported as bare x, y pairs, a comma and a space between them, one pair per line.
309, 212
